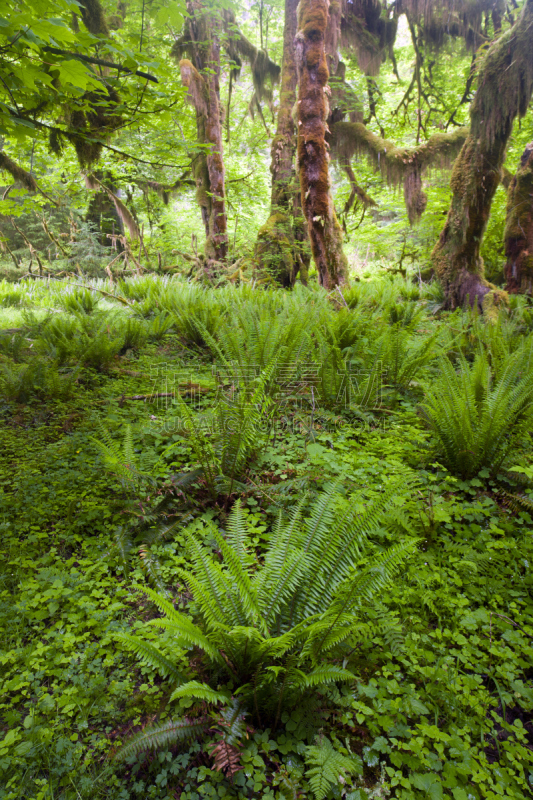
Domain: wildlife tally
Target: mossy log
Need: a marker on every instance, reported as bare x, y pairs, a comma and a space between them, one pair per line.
399, 166
505, 85
518, 234
325, 232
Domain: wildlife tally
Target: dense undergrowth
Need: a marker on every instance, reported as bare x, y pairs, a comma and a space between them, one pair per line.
264, 544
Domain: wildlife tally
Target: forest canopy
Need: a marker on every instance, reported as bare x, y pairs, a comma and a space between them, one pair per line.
187, 128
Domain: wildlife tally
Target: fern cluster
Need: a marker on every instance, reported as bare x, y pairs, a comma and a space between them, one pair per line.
224, 440
276, 628
478, 411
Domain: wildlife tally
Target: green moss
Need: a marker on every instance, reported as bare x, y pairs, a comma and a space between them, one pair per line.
398, 165
518, 235
275, 249
492, 302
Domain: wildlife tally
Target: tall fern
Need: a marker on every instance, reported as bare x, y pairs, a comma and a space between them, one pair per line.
225, 439
275, 628
476, 413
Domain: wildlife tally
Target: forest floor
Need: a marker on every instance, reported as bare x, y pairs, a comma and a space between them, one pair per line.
95, 499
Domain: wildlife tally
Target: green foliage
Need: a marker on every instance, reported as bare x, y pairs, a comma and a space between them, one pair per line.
477, 412
327, 767
225, 440
426, 679
36, 379
275, 629
79, 301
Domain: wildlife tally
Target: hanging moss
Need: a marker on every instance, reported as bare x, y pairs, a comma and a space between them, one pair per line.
93, 17
456, 18
399, 166
325, 233
98, 121
369, 30
56, 142
116, 20
265, 72
505, 86
166, 190
97, 115
518, 236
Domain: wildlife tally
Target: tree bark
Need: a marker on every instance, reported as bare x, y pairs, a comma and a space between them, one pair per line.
280, 246
102, 214
201, 75
325, 232
505, 85
518, 234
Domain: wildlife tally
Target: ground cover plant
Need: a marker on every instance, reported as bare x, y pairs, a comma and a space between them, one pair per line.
266, 399
283, 557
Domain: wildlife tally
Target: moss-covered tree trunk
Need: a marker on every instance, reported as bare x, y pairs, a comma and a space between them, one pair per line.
504, 90
280, 243
518, 235
325, 232
201, 75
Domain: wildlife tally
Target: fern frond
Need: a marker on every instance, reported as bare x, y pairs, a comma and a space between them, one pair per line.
327, 767
199, 691
320, 676
161, 736
149, 654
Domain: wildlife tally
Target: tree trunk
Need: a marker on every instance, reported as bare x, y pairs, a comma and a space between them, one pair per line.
201, 75
280, 244
518, 235
313, 161
102, 214
505, 85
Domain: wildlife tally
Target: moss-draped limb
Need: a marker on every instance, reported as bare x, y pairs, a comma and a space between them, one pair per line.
93, 17
325, 232
518, 236
265, 72
398, 165
17, 172
165, 190
201, 75
505, 85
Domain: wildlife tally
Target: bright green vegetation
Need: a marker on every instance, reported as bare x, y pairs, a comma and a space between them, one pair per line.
301, 571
